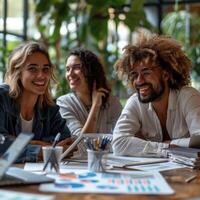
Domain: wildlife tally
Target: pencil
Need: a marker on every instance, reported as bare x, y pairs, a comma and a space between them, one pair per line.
189, 179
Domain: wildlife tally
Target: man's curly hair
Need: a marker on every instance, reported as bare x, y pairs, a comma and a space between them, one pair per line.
161, 51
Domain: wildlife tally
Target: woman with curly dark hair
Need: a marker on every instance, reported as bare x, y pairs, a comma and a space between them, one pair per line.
164, 110
90, 107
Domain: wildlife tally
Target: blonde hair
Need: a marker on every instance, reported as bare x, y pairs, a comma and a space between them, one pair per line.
160, 50
15, 64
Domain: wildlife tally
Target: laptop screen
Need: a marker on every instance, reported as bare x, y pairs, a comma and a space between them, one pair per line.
9, 157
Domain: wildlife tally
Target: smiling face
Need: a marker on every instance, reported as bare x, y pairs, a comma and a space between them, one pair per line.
74, 75
35, 74
149, 81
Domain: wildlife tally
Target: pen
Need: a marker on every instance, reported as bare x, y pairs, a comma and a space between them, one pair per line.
190, 178
56, 139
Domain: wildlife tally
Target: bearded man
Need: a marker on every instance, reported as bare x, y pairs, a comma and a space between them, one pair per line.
165, 110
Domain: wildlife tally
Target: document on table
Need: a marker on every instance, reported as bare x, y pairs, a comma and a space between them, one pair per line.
110, 159
158, 167
10, 195
38, 167
194, 141
125, 161
112, 182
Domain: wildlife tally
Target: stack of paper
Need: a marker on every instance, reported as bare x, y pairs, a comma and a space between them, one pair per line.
126, 162
186, 156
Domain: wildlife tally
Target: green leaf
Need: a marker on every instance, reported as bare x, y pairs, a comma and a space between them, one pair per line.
134, 19
82, 31
136, 15
98, 19
42, 5
56, 32
117, 3
98, 28
98, 3
137, 5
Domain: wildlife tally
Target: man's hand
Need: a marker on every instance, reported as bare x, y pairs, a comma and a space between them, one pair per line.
173, 145
140, 135
167, 141
170, 145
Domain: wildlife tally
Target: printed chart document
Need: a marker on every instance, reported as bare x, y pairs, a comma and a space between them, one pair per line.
134, 182
10, 195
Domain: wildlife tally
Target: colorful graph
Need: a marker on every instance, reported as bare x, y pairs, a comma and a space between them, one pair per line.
87, 175
63, 184
120, 183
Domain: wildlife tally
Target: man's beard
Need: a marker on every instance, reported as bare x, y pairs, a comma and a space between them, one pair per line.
155, 93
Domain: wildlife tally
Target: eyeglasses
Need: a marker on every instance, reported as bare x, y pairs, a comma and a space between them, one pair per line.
34, 68
145, 72
75, 67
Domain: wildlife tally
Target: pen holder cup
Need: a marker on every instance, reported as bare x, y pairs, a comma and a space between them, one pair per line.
52, 156
96, 160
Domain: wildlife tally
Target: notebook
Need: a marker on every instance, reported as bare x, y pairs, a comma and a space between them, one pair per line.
13, 175
194, 141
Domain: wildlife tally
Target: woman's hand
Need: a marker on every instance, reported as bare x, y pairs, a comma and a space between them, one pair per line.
97, 95
39, 142
65, 144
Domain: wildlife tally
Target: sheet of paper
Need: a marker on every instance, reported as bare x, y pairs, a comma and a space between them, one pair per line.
122, 161
10, 195
37, 167
33, 167
158, 167
134, 182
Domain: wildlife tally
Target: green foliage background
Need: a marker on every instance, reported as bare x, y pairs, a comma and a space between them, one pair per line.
185, 27
86, 24
91, 19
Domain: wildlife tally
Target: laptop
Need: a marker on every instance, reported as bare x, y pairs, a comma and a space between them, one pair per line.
13, 175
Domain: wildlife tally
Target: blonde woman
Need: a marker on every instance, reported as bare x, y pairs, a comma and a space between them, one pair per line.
26, 102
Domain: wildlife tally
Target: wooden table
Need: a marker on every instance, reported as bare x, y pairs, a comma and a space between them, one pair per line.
182, 190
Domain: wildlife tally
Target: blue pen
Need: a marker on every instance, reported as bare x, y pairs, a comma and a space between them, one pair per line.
107, 140
104, 143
